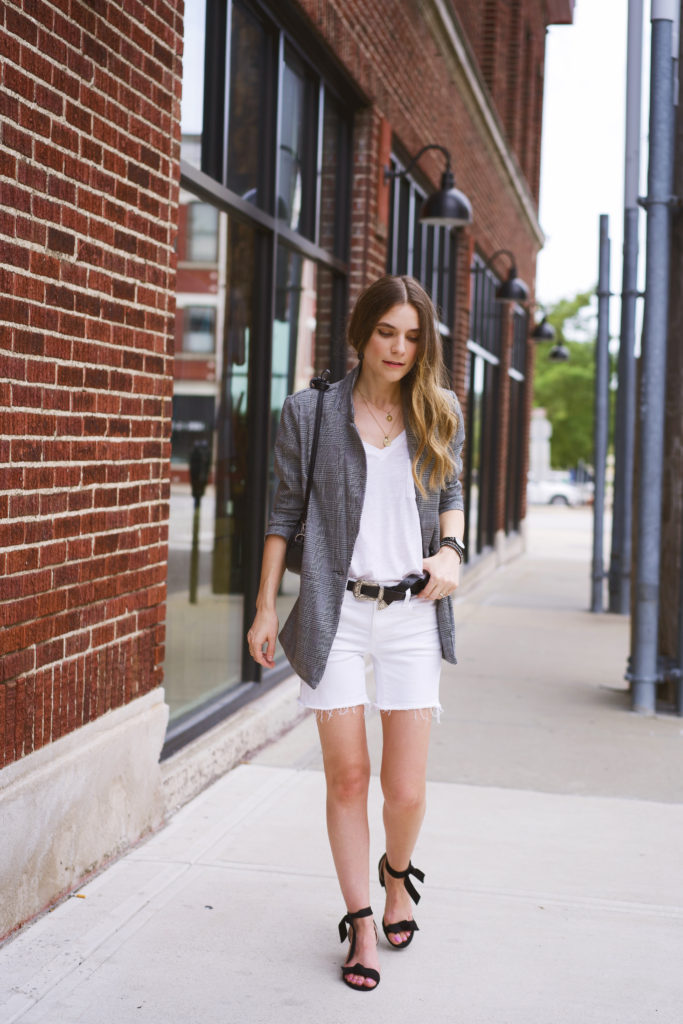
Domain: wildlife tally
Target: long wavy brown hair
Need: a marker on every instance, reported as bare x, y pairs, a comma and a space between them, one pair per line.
431, 414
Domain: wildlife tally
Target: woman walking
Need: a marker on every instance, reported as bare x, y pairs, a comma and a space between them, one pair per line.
382, 555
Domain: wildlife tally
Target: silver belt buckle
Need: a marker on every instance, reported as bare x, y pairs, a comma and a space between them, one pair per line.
381, 603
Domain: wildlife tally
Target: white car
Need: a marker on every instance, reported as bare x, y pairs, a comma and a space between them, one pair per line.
558, 492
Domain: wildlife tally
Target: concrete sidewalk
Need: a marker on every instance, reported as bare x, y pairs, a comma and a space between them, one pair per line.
552, 849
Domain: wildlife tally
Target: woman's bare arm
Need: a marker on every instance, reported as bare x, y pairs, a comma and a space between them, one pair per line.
264, 628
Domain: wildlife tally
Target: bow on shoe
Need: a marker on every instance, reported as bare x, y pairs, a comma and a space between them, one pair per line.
410, 888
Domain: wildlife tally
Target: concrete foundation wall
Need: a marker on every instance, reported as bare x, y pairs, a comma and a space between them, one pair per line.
70, 807
215, 752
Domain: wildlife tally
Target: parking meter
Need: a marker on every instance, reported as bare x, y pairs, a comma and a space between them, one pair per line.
200, 464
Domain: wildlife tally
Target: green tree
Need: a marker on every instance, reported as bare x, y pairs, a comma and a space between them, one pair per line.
566, 389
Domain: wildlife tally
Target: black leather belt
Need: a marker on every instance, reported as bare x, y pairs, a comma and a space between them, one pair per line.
364, 590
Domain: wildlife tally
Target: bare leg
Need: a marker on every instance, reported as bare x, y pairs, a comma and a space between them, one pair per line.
347, 773
404, 770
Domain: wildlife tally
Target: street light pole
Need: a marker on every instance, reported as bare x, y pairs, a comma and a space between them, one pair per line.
644, 674
625, 414
601, 424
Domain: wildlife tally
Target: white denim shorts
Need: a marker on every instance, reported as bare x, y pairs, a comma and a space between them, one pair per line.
403, 643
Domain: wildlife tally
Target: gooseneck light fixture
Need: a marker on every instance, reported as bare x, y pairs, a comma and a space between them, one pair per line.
447, 208
513, 289
543, 331
559, 353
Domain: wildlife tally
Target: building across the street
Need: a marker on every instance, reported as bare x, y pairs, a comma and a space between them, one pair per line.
192, 196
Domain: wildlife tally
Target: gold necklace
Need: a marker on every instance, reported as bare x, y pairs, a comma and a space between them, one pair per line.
368, 402
387, 437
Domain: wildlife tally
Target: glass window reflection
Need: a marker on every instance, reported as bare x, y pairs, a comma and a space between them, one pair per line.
192, 103
297, 154
199, 335
248, 143
202, 233
290, 157
302, 339
206, 533
423, 251
333, 225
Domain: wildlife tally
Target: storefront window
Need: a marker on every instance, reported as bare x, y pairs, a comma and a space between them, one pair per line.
192, 105
516, 438
294, 362
206, 545
248, 121
482, 384
256, 318
333, 229
481, 438
424, 252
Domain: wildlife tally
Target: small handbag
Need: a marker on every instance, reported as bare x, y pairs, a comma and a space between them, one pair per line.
295, 545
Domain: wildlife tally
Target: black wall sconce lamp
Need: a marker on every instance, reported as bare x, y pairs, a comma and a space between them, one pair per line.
543, 331
513, 289
559, 353
446, 208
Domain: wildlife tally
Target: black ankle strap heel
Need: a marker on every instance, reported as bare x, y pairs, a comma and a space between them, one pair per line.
405, 875
400, 926
348, 931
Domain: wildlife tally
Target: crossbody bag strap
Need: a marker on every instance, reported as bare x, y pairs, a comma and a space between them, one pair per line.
321, 385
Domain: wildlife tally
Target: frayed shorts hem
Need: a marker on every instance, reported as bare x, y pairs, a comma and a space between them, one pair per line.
430, 711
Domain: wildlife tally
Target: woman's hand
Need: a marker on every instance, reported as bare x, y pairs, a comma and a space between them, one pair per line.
265, 625
263, 630
444, 574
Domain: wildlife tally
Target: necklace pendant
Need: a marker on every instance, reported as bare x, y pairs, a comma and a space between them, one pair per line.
389, 417
387, 442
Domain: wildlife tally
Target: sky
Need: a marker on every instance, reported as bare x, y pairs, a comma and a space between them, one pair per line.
582, 158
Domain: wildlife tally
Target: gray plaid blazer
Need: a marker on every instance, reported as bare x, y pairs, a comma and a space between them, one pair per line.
333, 519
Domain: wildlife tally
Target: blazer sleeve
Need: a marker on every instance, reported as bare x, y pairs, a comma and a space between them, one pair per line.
451, 495
289, 494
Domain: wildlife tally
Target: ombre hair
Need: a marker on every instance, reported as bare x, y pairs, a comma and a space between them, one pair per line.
431, 414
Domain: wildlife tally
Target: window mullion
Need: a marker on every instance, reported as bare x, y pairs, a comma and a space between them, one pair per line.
318, 170
411, 230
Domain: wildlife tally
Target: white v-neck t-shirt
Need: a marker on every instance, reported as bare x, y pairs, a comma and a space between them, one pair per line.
389, 542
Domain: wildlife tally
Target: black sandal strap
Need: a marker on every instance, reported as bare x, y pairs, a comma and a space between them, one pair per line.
348, 919
362, 971
405, 875
401, 926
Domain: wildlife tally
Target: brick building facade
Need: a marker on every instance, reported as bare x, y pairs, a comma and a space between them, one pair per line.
266, 225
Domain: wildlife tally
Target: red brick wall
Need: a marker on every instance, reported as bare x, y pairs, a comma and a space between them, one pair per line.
89, 144
507, 39
389, 50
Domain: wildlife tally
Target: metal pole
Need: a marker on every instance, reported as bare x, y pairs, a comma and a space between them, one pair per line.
625, 415
651, 441
679, 686
194, 554
601, 423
